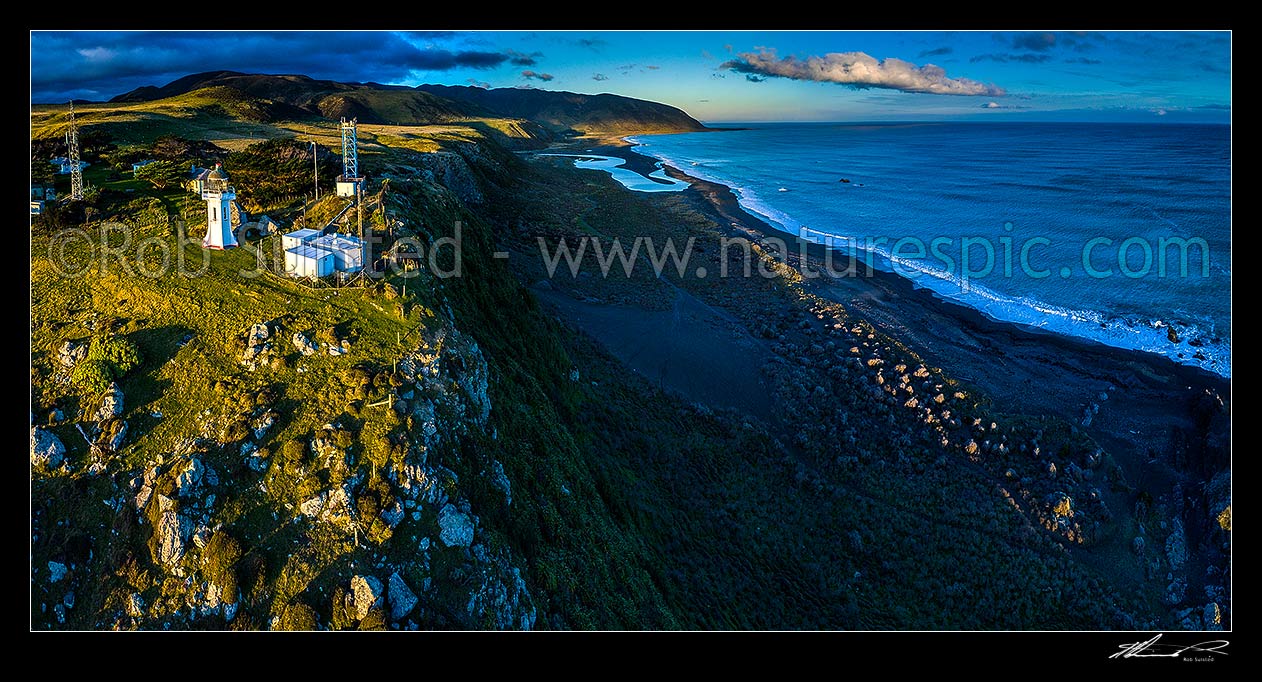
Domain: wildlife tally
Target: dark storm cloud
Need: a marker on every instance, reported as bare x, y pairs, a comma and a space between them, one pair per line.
99, 65
523, 59
1078, 41
1038, 42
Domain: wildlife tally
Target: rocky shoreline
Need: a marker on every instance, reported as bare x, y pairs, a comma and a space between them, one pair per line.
1166, 425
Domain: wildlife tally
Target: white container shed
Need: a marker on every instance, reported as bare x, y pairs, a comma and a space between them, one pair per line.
348, 251
308, 261
298, 238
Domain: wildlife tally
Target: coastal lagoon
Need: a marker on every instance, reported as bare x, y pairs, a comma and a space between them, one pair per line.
657, 181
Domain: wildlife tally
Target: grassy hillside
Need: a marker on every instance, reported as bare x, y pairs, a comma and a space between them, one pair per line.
290, 96
191, 399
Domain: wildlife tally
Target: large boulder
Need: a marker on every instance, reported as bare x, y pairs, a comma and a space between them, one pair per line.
257, 347
304, 345
393, 515
111, 404
366, 594
332, 506
189, 475
402, 599
71, 353
1060, 505
46, 448
134, 605
170, 540
455, 527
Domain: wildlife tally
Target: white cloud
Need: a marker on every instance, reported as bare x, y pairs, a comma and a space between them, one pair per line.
97, 54
991, 105
860, 70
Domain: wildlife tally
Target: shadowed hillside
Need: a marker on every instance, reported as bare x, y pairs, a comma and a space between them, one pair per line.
273, 98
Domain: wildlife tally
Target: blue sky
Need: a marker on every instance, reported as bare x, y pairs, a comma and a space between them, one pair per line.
715, 76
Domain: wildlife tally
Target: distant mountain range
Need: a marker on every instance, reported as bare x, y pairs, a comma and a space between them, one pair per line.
288, 97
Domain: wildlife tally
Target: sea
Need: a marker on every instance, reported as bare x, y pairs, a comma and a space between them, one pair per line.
1061, 226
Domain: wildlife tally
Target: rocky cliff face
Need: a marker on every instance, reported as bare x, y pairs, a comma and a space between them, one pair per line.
418, 537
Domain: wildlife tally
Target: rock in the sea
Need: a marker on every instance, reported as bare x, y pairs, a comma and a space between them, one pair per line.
366, 594
70, 353
402, 599
46, 448
305, 345
1172, 334
455, 527
111, 403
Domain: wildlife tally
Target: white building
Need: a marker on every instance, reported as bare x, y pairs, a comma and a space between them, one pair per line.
141, 164
309, 253
219, 196
348, 187
347, 250
308, 261
298, 238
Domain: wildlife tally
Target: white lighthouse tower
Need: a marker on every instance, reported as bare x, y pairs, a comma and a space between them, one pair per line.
219, 196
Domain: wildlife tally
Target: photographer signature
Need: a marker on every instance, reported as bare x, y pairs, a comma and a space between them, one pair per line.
1151, 649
